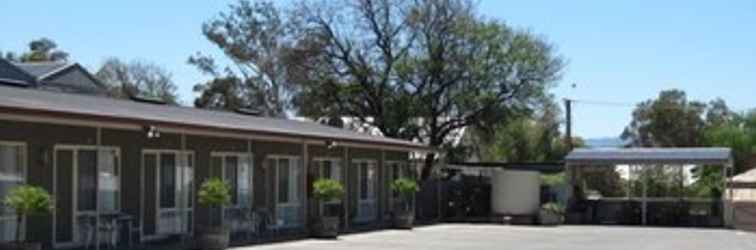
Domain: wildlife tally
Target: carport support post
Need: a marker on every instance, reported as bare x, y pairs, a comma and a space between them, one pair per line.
728, 212
305, 172
644, 205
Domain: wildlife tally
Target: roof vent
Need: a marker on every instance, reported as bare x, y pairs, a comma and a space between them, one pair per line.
248, 111
147, 99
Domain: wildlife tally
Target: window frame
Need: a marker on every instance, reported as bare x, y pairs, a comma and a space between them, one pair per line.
371, 201
187, 207
239, 156
75, 184
24, 178
294, 161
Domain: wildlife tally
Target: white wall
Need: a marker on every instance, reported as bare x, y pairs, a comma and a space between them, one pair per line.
515, 192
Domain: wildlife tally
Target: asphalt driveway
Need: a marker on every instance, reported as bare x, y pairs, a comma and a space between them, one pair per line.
463, 236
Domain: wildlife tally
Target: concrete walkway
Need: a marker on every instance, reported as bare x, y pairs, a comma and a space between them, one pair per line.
463, 236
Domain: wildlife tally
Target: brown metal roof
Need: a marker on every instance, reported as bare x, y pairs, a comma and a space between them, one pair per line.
93, 107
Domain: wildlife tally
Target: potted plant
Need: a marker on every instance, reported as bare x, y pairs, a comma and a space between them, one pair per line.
27, 200
405, 217
551, 214
327, 190
214, 193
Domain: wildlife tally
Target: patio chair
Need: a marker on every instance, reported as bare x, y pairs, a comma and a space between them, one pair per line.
249, 221
109, 229
267, 223
86, 231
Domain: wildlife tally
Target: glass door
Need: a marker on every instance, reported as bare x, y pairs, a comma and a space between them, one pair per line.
367, 204
289, 189
236, 169
169, 178
87, 185
12, 174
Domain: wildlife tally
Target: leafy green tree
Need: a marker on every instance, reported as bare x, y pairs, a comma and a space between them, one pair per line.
137, 78
671, 120
254, 37
43, 50
418, 70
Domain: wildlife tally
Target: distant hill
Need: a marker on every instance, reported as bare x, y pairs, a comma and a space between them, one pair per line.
604, 142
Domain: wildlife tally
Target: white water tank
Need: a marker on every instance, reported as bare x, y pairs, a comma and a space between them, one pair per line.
515, 192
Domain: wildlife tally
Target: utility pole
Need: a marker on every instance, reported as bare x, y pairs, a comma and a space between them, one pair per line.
568, 124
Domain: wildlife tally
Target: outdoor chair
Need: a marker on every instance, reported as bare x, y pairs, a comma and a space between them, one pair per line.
86, 231
108, 229
267, 224
249, 220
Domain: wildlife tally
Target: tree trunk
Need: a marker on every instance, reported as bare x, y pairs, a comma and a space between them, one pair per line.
427, 166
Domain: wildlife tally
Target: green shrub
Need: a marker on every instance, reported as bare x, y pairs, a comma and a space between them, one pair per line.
214, 192
405, 186
27, 200
553, 207
327, 190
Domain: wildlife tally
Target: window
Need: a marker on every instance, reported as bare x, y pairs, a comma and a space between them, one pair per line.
236, 169
367, 180
88, 183
109, 182
330, 168
366, 172
12, 174
174, 173
167, 180
87, 180
288, 176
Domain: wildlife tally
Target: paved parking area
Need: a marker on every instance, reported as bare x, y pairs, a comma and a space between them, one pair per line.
463, 236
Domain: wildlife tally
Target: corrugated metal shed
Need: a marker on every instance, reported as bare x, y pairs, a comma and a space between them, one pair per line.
615, 156
28, 101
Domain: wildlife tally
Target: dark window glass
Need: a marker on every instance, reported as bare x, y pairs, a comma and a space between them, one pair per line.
87, 180
167, 180
283, 180
363, 181
232, 177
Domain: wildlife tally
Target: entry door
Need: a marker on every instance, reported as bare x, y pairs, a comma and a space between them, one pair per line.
12, 174
367, 184
87, 184
168, 182
237, 171
289, 190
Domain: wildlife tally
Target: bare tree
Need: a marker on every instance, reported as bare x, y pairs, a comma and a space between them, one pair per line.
137, 79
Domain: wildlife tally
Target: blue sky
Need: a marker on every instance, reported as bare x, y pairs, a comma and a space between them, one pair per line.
621, 52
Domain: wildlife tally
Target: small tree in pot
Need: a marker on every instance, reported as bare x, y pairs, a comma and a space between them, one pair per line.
327, 190
551, 214
27, 200
215, 193
405, 217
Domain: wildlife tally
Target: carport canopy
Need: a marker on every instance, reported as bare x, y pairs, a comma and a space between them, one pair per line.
650, 157
646, 156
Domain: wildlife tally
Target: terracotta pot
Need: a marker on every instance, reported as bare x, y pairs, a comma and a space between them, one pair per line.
214, 238
404, 220
326, 227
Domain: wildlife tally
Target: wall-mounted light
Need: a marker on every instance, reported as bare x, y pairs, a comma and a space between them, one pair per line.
151, 131
331, 144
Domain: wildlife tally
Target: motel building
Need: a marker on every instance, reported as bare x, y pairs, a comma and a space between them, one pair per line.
138, 164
